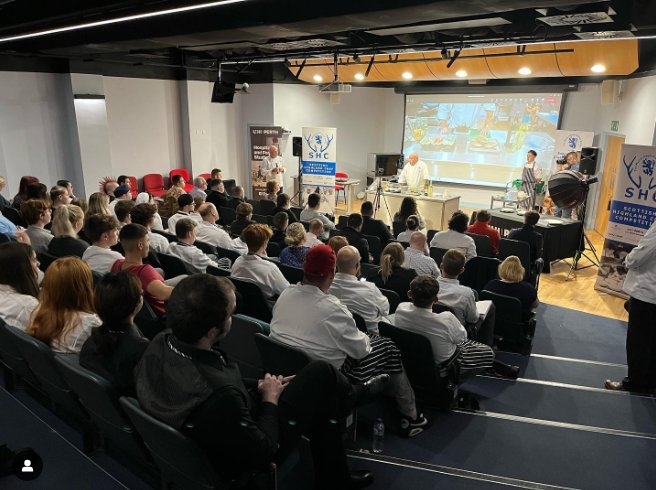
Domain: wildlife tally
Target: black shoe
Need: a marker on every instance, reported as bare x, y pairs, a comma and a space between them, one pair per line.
360, 478
371, 388
411, 428
505, 370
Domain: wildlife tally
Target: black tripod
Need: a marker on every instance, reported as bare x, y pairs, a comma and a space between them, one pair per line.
585, 245
297, 199
380, 196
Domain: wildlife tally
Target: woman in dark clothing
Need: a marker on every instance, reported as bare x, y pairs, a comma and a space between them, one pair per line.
114, 349
511, 283
409, 208
66, 224
392, 275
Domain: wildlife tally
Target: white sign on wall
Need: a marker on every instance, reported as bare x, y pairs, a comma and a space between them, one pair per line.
570, 141
319, 163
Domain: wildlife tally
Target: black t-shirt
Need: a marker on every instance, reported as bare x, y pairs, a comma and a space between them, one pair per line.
523, 291
64, 246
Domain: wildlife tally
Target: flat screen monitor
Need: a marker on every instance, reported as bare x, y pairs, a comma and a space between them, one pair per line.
387, 165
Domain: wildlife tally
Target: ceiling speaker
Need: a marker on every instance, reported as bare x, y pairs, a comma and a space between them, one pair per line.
223, 93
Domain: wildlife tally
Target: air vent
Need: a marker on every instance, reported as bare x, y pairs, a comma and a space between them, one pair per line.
604, 35
302, 44
577, 19
336, 88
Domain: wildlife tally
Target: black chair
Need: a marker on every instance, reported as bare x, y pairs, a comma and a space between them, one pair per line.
341, 222
333, 232
228, 215
483, 244
45, 259
293, 274
279, 358
101, 401
229, 185
256, 205
393, 298
360, 323
296, 211
261, 219
429, 235
240, 346
227, 253
437, 253
434, 385
206, 247
522, 250
398, 227
173, 266
441, 308
148, 321
14, 366
478, 272
375, 247
273, 249
169, 236
13, 215
513, 328
404, 244
217, 271
267, 206
253, 302
366, 269
306, 225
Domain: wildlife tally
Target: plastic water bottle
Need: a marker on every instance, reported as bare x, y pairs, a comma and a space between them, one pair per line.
379, 436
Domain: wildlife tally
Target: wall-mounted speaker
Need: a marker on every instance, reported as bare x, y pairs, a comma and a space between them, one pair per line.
589, 160
223, 92
297, 146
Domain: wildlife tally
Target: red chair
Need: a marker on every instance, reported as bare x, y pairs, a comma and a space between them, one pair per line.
205, 176
134, 186
338, 187
185, 175
154, 183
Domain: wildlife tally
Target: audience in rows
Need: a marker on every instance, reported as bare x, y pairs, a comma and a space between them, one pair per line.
311, 211
354, 236
392, 275
455, 236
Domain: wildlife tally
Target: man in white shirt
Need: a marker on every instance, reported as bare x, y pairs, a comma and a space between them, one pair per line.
312, 236
455, 236
360, 297
185, 206
207, 230
103, 232
415, 257
200, 188
311, 212
414, 173
272, 167
306, 316
443, 330
121, 193
194, 258
144, 215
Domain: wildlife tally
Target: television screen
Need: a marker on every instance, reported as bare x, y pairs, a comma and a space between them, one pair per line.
388, 165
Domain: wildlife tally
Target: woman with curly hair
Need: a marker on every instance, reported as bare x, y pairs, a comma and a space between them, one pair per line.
294, 253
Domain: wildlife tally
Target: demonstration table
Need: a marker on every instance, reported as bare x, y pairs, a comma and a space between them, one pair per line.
436, 211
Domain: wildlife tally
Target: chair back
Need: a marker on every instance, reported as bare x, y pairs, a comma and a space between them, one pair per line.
173, 266
393, 298
229, 185
306, 225
206, 248
169, 236
375, 247
148, 321
154, 183
341, 175
478, 272
398, 227
522, 250
13, 215
441, 308
181, 462
206, 176
483, 244
185, 175
296, 211
12, 358
360, 323
266, 207
256, 205
226, 252
509, 321
273, 249
293, 274
429, 235
253, 301
134, 186
240, 346
217, 271
45, 259
342, 221
366, 269
261, 219
437, 253
228, 215
404, 244
279, 358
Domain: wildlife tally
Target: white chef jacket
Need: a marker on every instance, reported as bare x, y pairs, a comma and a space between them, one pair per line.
212, 234
263, 272
16, 308
319, 324
363, 298
158, 243
640, 281
178, 216
194, 258
414, 175
100, 259
449, 239
268, 164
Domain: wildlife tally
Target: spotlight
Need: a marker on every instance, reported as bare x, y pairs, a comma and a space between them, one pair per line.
358, 76
524, 70
317, 78
461, 73
407, 75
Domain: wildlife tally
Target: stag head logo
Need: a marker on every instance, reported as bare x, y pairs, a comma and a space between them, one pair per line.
318, 142
573, 141
641, 171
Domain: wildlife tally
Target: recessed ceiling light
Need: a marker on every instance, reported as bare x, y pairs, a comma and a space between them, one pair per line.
524, 70
598, 68
317, 78
407, 75
359, 76
461, 73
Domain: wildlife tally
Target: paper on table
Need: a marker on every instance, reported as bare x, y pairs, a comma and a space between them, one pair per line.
483, 307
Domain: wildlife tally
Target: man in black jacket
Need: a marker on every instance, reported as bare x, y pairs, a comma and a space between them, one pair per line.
353, 234
183, 380
528, 234
374, 227
216, 193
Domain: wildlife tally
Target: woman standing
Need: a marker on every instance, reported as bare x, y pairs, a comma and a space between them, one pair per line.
531, 175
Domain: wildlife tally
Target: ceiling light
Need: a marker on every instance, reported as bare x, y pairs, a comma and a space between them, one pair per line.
524, 70
407, 75
358, 76
317, 78
461, 73
598, 68
117, 20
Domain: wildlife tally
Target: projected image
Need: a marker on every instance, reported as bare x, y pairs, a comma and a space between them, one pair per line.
480, 139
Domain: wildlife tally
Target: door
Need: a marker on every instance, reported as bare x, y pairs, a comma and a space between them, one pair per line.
612, 157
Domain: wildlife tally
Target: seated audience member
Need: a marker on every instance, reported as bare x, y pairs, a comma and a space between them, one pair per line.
336, 243
177, 189
353, 234
511, 283
184, 380
147, 198
462, 299
59, 197
65, 314
311, 212
124, 180
208, 232
411, 225
238, 197
294, 253
37, 190
307, 317
19, 289
528, 234
81, 203
455, 236
283, 205
185, 206
482, 227
121, 193
194, 214
216, 193
108, 186
66, 224
21, 195
200, 186
216, 174
280, 223
103, 233
409, 208
255, 267
272, 189
68, 185
4, 203
374, 227
144, 215
416, 258
122, 211
114, 348
37, 214
443, 330
361, 297
244, 213
392, 275
312, 236
99, 204
134, 239
194, 258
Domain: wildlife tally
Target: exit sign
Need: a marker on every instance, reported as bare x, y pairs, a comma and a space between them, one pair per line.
614, 125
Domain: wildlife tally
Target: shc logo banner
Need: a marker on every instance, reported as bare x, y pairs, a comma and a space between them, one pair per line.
319, 164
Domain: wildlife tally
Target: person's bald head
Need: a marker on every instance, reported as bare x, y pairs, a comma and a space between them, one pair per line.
273, 151
413, 158
418, 241
348, 260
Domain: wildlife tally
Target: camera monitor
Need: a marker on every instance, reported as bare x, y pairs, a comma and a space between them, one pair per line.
387, 165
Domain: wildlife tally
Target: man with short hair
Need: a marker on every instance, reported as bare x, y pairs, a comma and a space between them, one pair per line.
353, 234
528, 234
311, 212
374, 227
280, 223
102, 230
200, 186
124, 180
414, 173
185, 206
144, 215
122, 211
68, 185
186, 382
272, 166
215, 174
37, 214
313, 234
121, 193
307, 317
482, 227
360, 297
283, 204
207, 230
416, 258
216, 194
193, 257
238, 197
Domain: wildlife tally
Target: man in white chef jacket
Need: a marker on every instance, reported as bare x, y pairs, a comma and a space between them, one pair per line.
414, 173
272, 166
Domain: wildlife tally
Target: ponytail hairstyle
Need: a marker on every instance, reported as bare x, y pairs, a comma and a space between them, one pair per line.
412, 223
392, 256
63, 223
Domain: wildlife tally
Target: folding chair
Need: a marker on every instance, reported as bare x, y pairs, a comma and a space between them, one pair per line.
240, 346
483, 244
253, 301
513, 327
532, 265
293, 274
393, 299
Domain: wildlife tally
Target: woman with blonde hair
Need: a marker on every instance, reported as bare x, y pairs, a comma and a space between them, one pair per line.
99, 204
294, 253
66, 224
392, 275
511, 283
65, 314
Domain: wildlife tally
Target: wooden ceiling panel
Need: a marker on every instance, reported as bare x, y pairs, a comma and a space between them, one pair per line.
541, 65
476, 68
392, 72
619, 57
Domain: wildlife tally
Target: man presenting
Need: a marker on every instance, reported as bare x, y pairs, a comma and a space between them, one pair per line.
272, 166
414, 173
